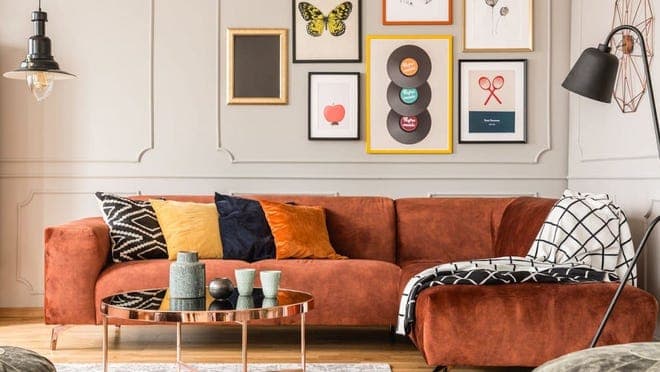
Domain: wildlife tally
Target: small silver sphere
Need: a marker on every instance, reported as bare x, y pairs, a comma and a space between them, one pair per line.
221, 288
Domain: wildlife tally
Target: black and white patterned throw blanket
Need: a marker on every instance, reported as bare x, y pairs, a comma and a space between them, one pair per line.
585, 238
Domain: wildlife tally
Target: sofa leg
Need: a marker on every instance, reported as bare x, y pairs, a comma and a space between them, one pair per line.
392, 334
55, 333
441, 369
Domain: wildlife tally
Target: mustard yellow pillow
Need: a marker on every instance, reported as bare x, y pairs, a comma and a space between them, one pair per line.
189, 227
299, 231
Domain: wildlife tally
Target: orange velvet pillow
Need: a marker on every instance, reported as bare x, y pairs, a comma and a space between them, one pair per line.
299, 231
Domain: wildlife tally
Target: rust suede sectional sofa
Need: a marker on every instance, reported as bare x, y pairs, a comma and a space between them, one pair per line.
388, 241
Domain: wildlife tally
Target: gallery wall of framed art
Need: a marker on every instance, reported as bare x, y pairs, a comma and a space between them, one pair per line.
412, 95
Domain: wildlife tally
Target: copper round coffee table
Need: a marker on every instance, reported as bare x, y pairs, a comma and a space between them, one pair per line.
156, 306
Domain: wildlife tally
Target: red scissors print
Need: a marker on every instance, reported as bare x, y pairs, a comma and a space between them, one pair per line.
491, 86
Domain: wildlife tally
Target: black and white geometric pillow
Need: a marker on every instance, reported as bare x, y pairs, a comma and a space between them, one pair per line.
134, 230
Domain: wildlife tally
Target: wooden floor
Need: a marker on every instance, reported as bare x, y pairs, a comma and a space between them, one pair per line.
25, 328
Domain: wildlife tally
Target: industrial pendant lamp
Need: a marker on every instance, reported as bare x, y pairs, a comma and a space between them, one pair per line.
39, 68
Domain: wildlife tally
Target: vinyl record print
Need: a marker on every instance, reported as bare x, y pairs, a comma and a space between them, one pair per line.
409, 94
408, 101
409, 66
409, 130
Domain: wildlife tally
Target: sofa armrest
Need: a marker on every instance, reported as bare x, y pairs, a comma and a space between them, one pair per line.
75, 254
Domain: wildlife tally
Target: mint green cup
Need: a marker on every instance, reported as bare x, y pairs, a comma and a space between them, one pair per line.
270, 282
244, 281
244, 302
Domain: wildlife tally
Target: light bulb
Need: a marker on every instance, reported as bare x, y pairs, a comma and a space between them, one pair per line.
40, 84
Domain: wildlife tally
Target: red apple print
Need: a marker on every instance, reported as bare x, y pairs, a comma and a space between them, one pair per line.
334, 114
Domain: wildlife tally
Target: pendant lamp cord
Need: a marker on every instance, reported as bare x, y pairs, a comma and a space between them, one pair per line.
39, 5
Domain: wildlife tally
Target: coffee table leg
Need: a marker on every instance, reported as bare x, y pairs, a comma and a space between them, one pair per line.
105, 343
244, 346
178, 346
303, 349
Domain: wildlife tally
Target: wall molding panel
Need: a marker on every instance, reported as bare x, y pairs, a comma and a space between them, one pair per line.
483, 195
548, 145
650, 254
48, 107
578, 102
33, 280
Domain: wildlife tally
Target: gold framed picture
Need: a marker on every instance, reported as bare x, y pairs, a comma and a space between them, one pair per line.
409, 94
498, 26
257, 66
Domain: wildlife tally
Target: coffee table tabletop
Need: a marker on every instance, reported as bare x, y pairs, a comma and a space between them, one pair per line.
155, 305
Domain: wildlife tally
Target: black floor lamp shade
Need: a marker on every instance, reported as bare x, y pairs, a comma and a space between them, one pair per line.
594, 74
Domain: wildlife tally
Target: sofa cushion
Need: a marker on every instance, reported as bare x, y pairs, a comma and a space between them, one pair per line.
521, 221
346, 292
447, 229
369, 220
189, 227
525, 324
369, 287
150, 274
135, 233
244, 230
359, 227
299, 231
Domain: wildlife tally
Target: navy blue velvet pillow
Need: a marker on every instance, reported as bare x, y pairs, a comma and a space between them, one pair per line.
244, 230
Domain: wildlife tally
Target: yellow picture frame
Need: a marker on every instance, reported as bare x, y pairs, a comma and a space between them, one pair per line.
444, 142
256, 60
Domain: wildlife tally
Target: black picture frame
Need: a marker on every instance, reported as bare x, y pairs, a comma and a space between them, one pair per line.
294, 18
355, 130
461, 102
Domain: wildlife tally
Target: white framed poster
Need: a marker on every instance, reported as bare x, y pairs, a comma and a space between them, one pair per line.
492, 101
334, 106
409, 94
498, 25
326, 31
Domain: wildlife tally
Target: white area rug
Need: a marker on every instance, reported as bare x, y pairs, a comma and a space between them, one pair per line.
222, 367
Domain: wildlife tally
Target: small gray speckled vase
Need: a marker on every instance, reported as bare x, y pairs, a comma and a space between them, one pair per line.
187, 276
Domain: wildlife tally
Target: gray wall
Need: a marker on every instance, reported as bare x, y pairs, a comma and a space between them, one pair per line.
147, 115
